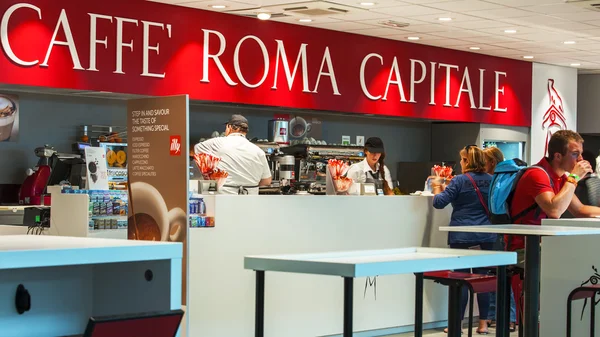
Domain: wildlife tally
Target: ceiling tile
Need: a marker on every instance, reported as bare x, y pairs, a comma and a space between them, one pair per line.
460, 34
569, 26
426, 28
492, 39
478, 24
408, 11
378, 22
465, 5
377, 31
523, 3
342, 25
580, 16
503, 13
362, 15
294, 20
231, 5
500, 30
422, 2
456, 17
556, 8
532, 20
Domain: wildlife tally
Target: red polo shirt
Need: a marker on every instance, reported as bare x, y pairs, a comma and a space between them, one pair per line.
533, 183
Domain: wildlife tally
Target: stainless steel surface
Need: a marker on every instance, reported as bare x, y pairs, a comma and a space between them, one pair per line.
11, 216
278, 131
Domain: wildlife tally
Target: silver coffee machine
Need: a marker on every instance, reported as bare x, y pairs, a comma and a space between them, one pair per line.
278, 131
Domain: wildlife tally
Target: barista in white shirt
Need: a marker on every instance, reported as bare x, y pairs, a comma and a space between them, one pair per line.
369, 170
245, 162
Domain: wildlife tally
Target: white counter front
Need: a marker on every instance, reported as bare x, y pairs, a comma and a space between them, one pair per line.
567, 263
221, 293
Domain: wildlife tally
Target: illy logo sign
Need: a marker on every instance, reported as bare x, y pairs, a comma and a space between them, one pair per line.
554, 118
175, 149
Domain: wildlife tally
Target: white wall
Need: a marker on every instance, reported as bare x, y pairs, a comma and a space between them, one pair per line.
565, 87
221, 293
588, 104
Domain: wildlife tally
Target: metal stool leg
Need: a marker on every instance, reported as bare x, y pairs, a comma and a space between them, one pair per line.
593, 315
454, 319
471, 305
570, 311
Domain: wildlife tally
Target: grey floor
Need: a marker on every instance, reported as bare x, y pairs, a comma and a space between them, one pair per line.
440, 333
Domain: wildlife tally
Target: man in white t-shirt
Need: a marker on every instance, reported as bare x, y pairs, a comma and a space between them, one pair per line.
245, 162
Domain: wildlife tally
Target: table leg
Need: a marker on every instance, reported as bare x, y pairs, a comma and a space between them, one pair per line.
502, 329
348, 305
454, 318
259, 318
419, 305
532, 285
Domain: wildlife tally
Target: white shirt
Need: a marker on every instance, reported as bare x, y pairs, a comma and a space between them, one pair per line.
359, 172
245, 162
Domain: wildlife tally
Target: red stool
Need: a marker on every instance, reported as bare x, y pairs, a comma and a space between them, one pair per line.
583, 292
475, 283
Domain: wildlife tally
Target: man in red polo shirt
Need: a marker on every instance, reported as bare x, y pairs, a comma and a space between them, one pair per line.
536, 198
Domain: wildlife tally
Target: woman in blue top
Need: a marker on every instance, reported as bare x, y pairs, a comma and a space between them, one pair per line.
467, 193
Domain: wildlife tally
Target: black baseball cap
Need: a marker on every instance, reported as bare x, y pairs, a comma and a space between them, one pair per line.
374, 145
238, 120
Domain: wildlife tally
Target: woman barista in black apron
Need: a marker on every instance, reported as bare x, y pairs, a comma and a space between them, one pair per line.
370, 169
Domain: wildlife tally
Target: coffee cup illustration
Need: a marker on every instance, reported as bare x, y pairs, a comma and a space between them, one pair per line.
299, 127
8, 112
152, 221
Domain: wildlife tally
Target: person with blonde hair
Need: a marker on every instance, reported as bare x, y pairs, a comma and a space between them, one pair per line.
468, 194
493, 156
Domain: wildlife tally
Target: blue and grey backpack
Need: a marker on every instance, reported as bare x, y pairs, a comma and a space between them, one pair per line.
504, 182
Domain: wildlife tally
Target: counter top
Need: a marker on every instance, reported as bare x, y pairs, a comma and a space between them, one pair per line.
32, 251
524, 230
380, 262
581, 222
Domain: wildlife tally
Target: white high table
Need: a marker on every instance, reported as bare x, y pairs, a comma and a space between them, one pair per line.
350, 265
533, 236
72, 279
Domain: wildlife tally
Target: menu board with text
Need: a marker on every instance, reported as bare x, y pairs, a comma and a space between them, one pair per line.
157, 167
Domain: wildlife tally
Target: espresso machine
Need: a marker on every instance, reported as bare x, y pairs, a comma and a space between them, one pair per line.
53, 168
310, 169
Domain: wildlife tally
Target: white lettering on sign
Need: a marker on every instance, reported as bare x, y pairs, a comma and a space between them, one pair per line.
146, 47
330, 73
63, 26
363, 85
4, 33
236, 61
206, 56
412, 77
481, 107
94, 38
121, 44
466, 80
498, 90
154, 36
418, 75
290, 76
395, 71
63, 21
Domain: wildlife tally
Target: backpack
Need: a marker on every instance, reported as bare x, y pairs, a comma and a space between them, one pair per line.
502, 189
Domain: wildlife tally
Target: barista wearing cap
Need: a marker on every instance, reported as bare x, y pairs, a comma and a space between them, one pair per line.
369, 170
245, 162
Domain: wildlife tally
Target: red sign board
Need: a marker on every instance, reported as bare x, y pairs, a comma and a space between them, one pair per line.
148, 48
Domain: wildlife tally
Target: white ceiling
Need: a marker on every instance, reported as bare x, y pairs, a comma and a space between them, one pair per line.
542, 25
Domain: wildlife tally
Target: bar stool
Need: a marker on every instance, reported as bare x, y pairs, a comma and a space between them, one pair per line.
579, 293
475, 283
